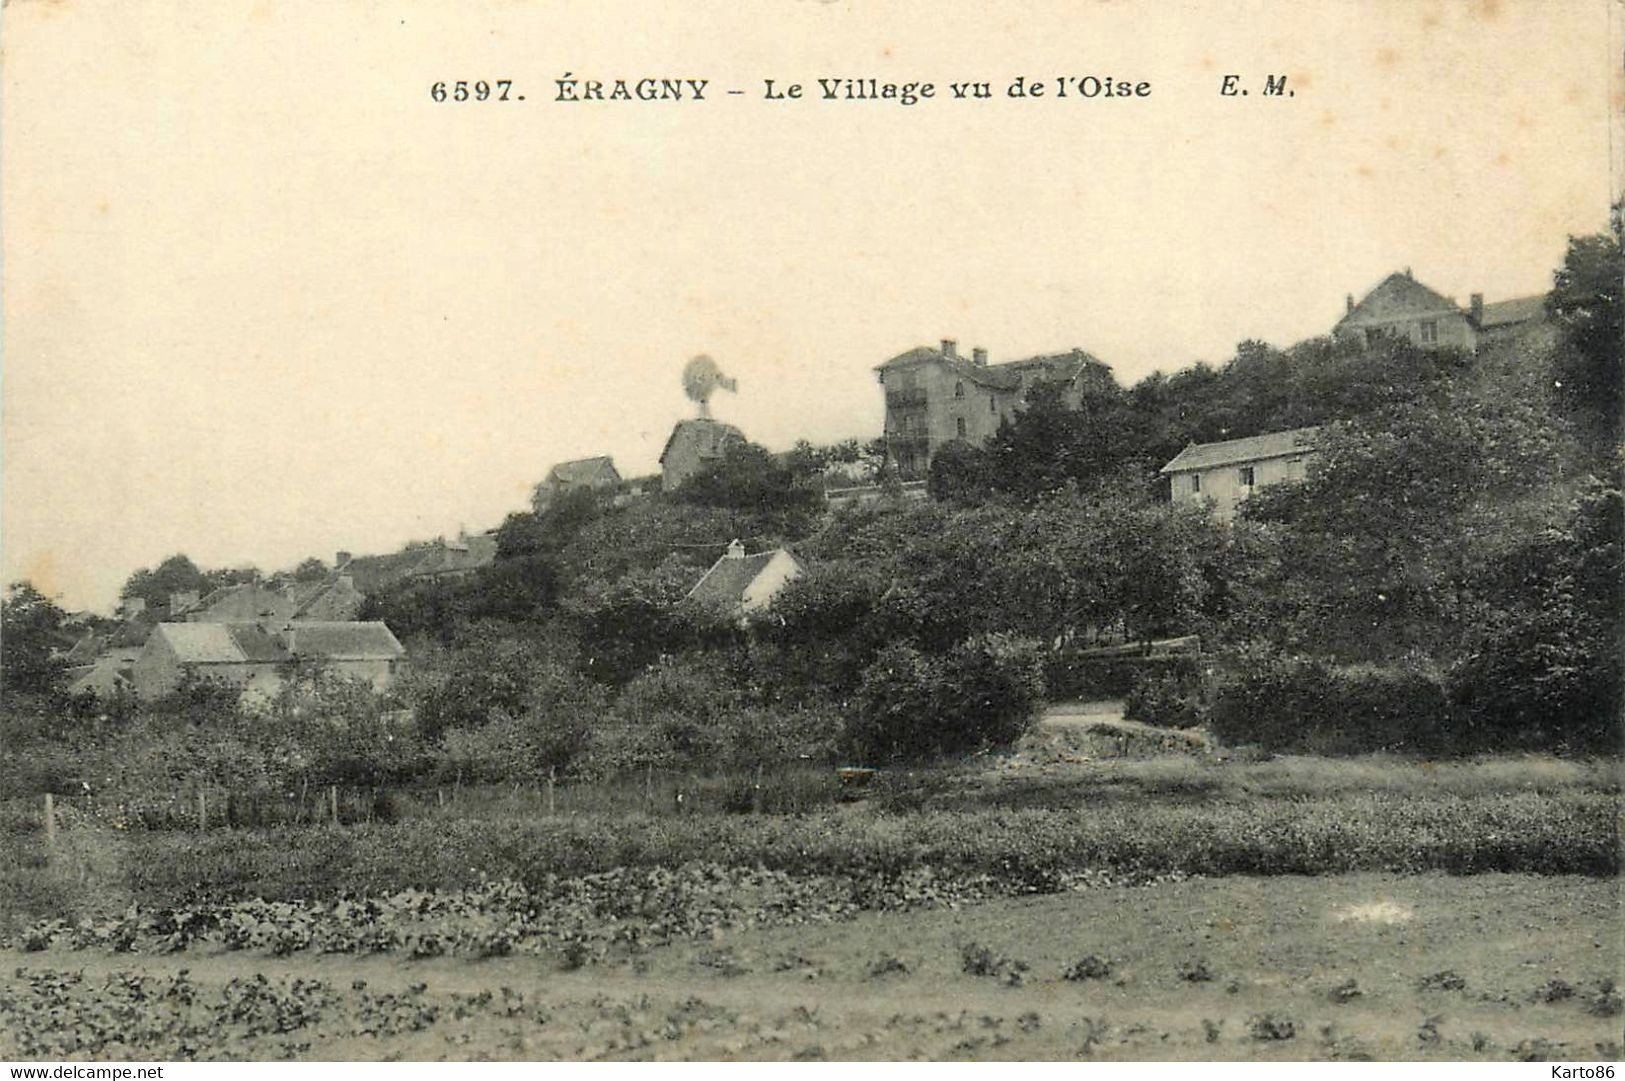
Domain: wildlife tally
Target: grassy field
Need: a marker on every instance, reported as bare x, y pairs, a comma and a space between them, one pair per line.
1047, 903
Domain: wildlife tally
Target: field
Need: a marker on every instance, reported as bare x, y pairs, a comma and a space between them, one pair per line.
1044, 904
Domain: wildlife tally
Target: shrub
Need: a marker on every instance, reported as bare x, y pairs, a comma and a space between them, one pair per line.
982, 694
1306, 704
1171, 697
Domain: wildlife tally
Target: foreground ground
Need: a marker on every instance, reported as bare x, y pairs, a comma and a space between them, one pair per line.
1359, 965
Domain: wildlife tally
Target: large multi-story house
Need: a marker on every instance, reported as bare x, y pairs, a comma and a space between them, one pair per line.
935, 396
1400, 306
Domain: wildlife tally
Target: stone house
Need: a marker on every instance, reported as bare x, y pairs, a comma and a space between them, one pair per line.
583, 474
1400, 306
1223, 474
251, 656
742, 586
692, 444
935, 396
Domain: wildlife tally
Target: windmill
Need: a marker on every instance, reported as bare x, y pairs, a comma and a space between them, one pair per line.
701, 379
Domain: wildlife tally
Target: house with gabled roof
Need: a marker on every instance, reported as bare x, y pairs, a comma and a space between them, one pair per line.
935, 396
1401, 307
694, 443
1224, 474
583, 474
741, 586
253, 656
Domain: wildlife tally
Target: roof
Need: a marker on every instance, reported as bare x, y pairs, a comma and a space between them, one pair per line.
583, 471
242, 602
334, 601
1254, 448
221, 643
1399, 291
454, 557
1006, 376
249, 643
347, 641
711, 436
1506, 312
725, 583
373, 573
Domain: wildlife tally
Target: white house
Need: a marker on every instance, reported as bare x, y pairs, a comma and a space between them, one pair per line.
743, 585
1226, 473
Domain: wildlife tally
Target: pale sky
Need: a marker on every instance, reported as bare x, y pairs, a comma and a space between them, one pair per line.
265, 299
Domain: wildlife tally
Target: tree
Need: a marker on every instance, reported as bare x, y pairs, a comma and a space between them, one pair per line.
748, 477
1587, 304
311, 570
177, 574
30, 628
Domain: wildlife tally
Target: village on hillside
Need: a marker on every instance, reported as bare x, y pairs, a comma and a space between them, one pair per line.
1257, 710
245, 633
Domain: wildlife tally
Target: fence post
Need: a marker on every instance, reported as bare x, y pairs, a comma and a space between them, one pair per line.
756, 792
440, 797
202, 811
552, 778
50, 827
333, 802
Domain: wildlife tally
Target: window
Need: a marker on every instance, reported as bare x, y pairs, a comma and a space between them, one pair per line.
992, 404
1430, 331
959, 426
1247, 475
1196, 483
959, 389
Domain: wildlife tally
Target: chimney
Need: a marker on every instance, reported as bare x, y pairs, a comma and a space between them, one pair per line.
180, 602
1476, 307
340, 558
1408, 274
1348, 301
949, 349
979, 355
736, 549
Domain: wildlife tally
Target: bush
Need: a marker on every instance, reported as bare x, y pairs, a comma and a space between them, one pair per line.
982, 694
1305, 704
1170, 697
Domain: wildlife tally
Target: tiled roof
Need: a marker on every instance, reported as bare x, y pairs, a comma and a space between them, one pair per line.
334, 601
584, 471
710, 436
465, 554
249, 643
1005, 376
373, 573
1401, 291
221, 643
1506, 312
1254, 448
725, 583
344, 641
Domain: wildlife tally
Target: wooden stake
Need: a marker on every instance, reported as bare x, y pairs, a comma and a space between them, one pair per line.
333, 802
202, 811
50, 825
552, 779
440, 797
